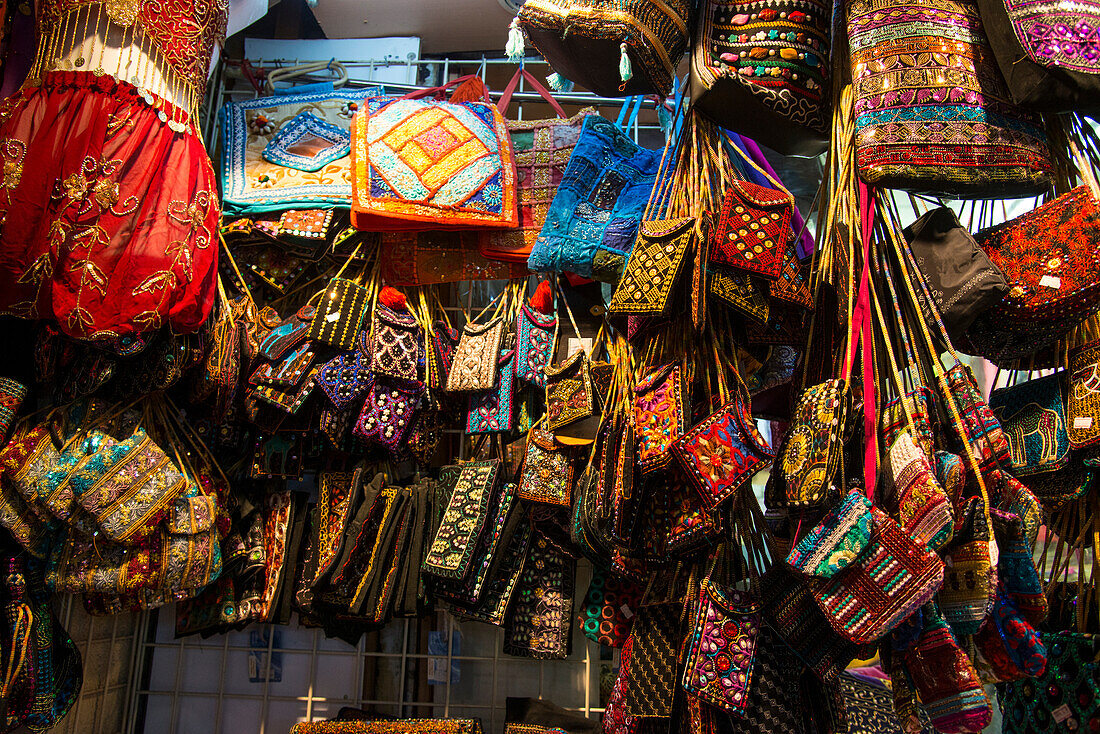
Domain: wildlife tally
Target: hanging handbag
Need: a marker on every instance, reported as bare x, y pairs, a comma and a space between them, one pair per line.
540, 621
763, 70
395, 344
962, 279
1033, 418
474, 363
444, 341
1047, 52
421, 164
660, 415
809, 456
547, 474
345, 378
654, 267
252, 184
655, 639
1083, 396
918, 501
339, 314
493, 411
450, 554
570, 392
984, 146
983, 432
753, 229
1051, 260
389, 412
593, 220
542, 149
1065, 697
536, 335
723, 452
718, 665
610, 47
747, 295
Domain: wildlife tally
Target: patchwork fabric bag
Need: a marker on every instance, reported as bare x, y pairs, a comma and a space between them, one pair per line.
984, 145
866, 573
654, 268
1051, 260
753, 229
547, 474
542, 149
611, 47
982, 429
1083, 396
594, 218
423, 163
723, 452
1033, 418
536, 335
762, 69
660, 415
252, 184
474, 364
1047, 52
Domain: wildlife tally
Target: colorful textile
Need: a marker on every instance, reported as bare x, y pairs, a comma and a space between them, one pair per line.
396, 344
946, 123
837, 541
536, 334
718, 668
388, 412
741, 291
499, 529
982, 429
425, 258
463, 521
654, 267
12, 393
570, 394
542, 149
723, 452
547, 474
918, 501
1065, 697
91, 238
610, 606
474, 363
404, 726
946, 681
1083, 396
307, 143
421, 162
339, 314
540, 622
492, 411
811, 449
251, 184
753, 230
1033, 418
599, 204
659, 415
655, 638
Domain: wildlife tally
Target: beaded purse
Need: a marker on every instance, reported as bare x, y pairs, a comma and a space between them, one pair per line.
307, 143
718, 666
536, 334
451, 552
547, 474
660, 415
389, 412
741, 291
981, 428
493, 411
395, 344
474, 364
753, 229
1083, 396
570, 393
345, 379
915, 496
1065, 696
810, 454
654, 268
540, 620
655, 639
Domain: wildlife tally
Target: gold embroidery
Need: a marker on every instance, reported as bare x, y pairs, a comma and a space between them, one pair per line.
12, 153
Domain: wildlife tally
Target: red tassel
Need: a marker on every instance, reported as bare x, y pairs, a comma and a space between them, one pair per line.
393, 298
471, 90
542, 300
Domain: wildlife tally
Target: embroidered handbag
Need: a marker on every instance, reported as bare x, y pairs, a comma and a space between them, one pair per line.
440, 256
655, 641
444, 341
492, 411
962, 279
810, 453
1033, 419
611, 47
654, 267
252, 184
1065, 697
915, 497
872, 576
499, 528
660, 416
570, 393
389, 412
753, 229
895, 419
1047, 52
1051, 260
339, 314
1083, 396
742, 291
689, 524
762, 69
547, 474
718, 667
542, 149
723, 452
985, 146
594, 218
451, 551
982, 429
536, 334
423, 163
345, 379
474, 364
395, 344
540, 621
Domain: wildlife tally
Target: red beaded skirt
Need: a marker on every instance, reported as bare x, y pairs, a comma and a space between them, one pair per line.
108, 210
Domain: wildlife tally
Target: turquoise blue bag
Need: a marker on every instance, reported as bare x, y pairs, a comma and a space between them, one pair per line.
593, 220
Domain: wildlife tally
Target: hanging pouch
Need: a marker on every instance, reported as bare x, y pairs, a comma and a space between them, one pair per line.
753, 230
474, 365
451, 551
395, 346
492, 411
536, 334
813, 445
837, 542
547, 474
718, 666
570, 394
388, 413
339, 314
1033, 418
914, 496
655, 267
659, 415
1083, 398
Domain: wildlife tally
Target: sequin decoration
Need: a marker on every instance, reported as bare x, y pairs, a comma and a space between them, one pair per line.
404, 726
1065, 697
654, 267
395, 350
474, 365
1033, 418
718, 666
345, 379
547, 474
388, 412
493, 411
919, 502
1083, 396
837, 541
307, 143
932, 110
536, 334
753, 229
723, 452
810, 453
569, 391
1058, 34
655, 640
469, 591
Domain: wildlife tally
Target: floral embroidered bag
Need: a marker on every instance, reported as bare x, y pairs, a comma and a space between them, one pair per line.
536, 334
547, 474
570, 392
474, 364
811, 450
421, 164
492, 411
660, 415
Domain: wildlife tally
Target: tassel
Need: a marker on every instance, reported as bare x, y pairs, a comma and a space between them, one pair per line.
514, 47
393, 298
625, 72
542, 300
664, 118
559, 83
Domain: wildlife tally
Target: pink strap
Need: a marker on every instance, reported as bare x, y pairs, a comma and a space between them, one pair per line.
863, 313
438, 91
506, 95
